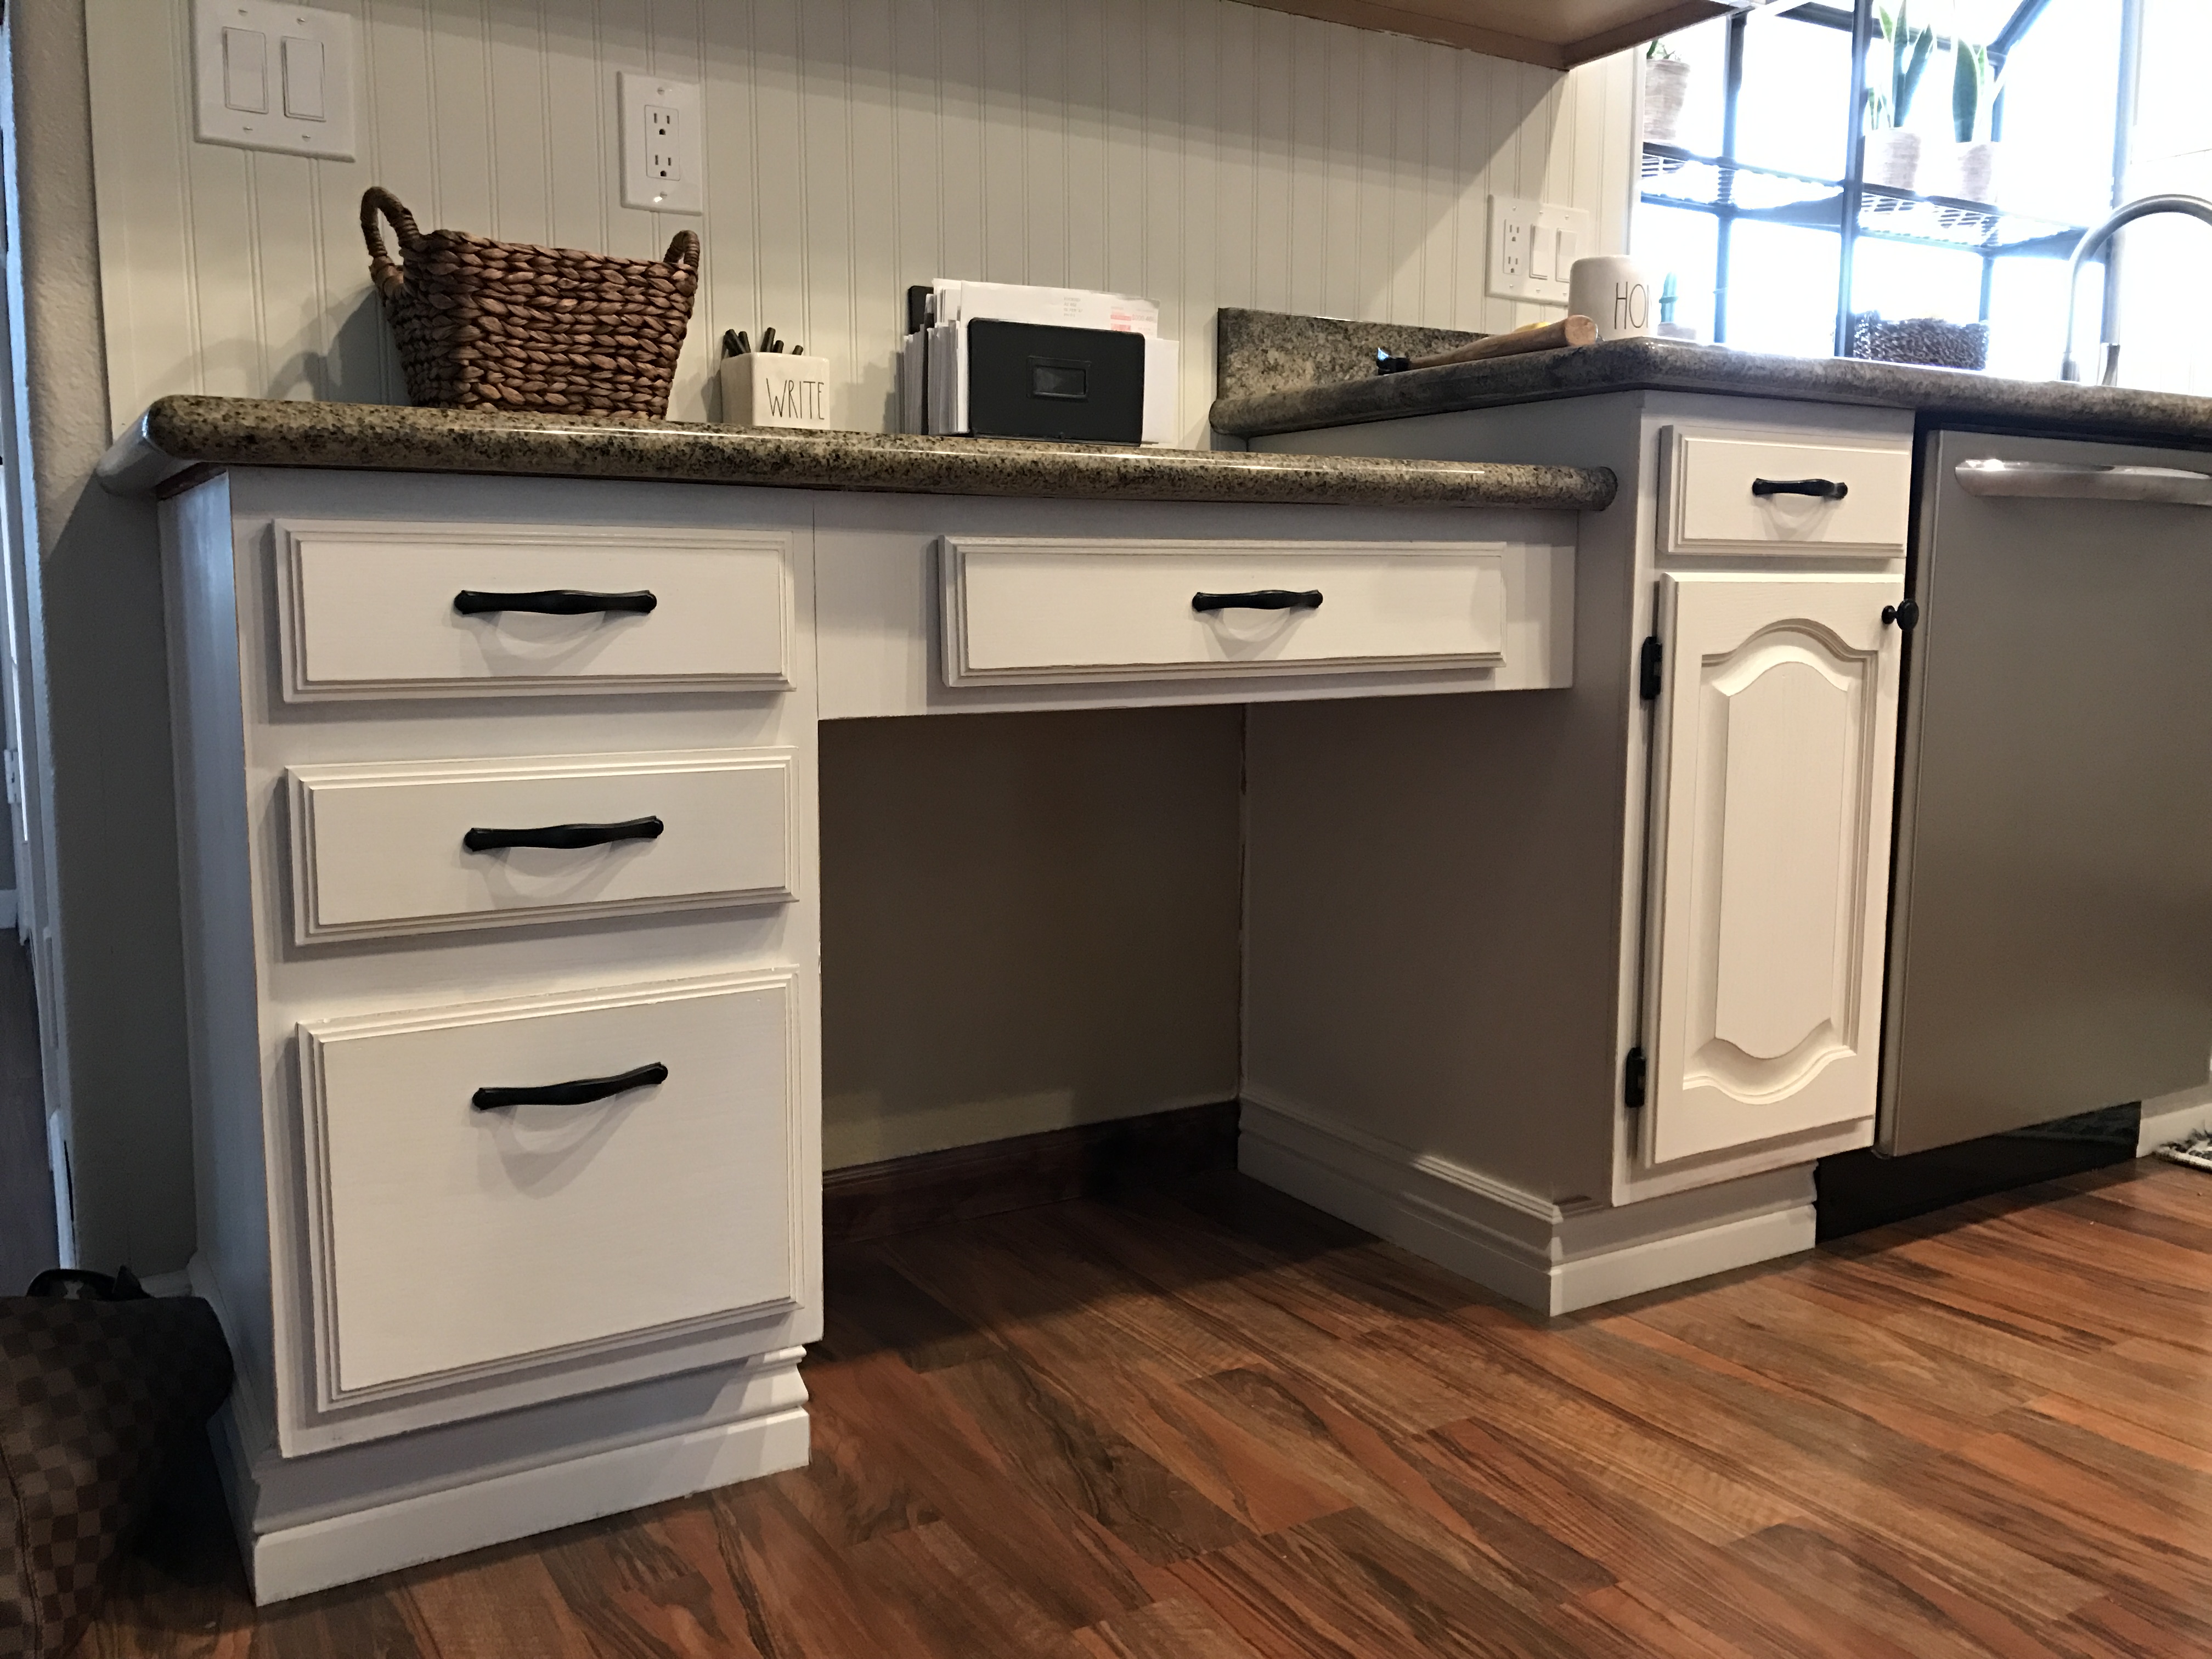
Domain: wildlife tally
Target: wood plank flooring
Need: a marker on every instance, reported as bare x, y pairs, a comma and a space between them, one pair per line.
1215, 1424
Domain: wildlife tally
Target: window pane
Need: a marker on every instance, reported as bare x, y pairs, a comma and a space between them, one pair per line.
2027, 319
1903, 279
1796, 90
2062, 84
1781, 289
1676, 241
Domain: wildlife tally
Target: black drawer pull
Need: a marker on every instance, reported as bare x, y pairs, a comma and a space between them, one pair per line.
1827, 490
553, 602
1266, 598
566, 837
582, 1092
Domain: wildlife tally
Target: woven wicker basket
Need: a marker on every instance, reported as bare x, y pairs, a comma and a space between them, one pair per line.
1929, 340
486, 325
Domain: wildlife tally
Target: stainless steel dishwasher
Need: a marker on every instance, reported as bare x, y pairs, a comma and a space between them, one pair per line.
2051, 928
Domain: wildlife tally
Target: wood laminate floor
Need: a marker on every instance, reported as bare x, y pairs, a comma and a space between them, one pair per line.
1217, 1425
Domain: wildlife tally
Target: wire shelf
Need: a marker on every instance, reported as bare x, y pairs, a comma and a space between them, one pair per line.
1673, 177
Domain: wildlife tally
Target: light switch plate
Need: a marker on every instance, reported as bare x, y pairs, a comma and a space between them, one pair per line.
661, 146
266, 76
1533, 247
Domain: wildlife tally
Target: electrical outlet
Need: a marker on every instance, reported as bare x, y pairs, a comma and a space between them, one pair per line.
1533, 246
662, 170
1510, 221
661, 161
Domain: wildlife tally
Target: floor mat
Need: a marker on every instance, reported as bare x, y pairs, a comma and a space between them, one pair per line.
2195, 1151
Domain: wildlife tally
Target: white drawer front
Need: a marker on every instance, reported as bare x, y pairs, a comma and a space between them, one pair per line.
1717, 506
383, 848
449, 1240
368, 610
1079, 610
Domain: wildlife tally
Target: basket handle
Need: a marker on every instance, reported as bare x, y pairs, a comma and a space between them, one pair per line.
683, 251
382, 271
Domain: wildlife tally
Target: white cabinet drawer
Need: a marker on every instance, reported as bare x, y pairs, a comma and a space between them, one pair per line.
411, 847
450, 1239
1071, 612
376, 610
1723, 496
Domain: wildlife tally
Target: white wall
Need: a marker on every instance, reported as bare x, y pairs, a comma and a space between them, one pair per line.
91, 705
1198, 153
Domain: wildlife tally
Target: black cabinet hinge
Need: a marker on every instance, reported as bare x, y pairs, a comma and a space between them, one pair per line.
1632, 1079
1647, 678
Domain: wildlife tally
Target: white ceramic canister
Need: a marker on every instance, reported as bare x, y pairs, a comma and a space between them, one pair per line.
774, 388
1616, 294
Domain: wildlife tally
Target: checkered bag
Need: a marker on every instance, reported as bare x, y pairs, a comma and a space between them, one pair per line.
99, 1384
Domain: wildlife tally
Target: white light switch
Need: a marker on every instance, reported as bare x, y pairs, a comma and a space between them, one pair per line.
1532, 248
245, 70
268, 76
303, 79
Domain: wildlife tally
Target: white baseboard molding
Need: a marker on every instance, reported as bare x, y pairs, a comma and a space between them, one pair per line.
299, 1556
1514, 1242
2173, 1117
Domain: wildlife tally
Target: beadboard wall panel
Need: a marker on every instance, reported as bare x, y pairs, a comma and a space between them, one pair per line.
1197, 152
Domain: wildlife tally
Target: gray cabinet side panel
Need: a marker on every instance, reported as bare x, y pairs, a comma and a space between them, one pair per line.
216, 885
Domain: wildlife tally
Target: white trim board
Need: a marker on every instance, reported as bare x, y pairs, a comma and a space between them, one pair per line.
1524, 1248
298, 1556
303, 1525
2173, 1117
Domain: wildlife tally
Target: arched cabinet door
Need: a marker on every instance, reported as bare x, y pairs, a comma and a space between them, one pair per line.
1772, 766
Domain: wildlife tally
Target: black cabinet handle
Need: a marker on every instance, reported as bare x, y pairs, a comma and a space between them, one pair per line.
553, 602
1264, 598
566, 836
1827, 490
1905, 613
582, 1092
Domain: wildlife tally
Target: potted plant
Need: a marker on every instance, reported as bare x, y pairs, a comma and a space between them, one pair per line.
1665, 90
1974, 88
1893, 154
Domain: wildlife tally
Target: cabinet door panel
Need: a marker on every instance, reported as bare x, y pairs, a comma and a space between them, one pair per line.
1774, 748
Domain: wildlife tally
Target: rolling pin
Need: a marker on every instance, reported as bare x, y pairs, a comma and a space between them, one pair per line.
1536, 336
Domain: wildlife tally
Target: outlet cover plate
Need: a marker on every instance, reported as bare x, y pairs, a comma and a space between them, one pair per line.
1528, 258
266, 26
662, 151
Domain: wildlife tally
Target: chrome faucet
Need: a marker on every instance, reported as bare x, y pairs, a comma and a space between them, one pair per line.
2195, 206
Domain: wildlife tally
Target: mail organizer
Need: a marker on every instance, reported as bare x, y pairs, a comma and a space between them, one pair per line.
1033, 380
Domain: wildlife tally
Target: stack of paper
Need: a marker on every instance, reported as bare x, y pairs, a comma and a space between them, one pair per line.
934, 359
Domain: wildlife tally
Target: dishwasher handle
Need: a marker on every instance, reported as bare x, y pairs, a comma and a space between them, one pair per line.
2070, 482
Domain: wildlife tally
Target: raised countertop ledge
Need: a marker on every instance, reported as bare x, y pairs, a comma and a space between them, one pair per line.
178, 433
1940, 396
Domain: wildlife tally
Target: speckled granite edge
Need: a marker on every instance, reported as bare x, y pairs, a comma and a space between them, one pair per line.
1262, 351
1942, 394
178, 433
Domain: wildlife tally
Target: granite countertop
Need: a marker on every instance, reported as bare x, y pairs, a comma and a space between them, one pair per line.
1251, 407
179, 435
